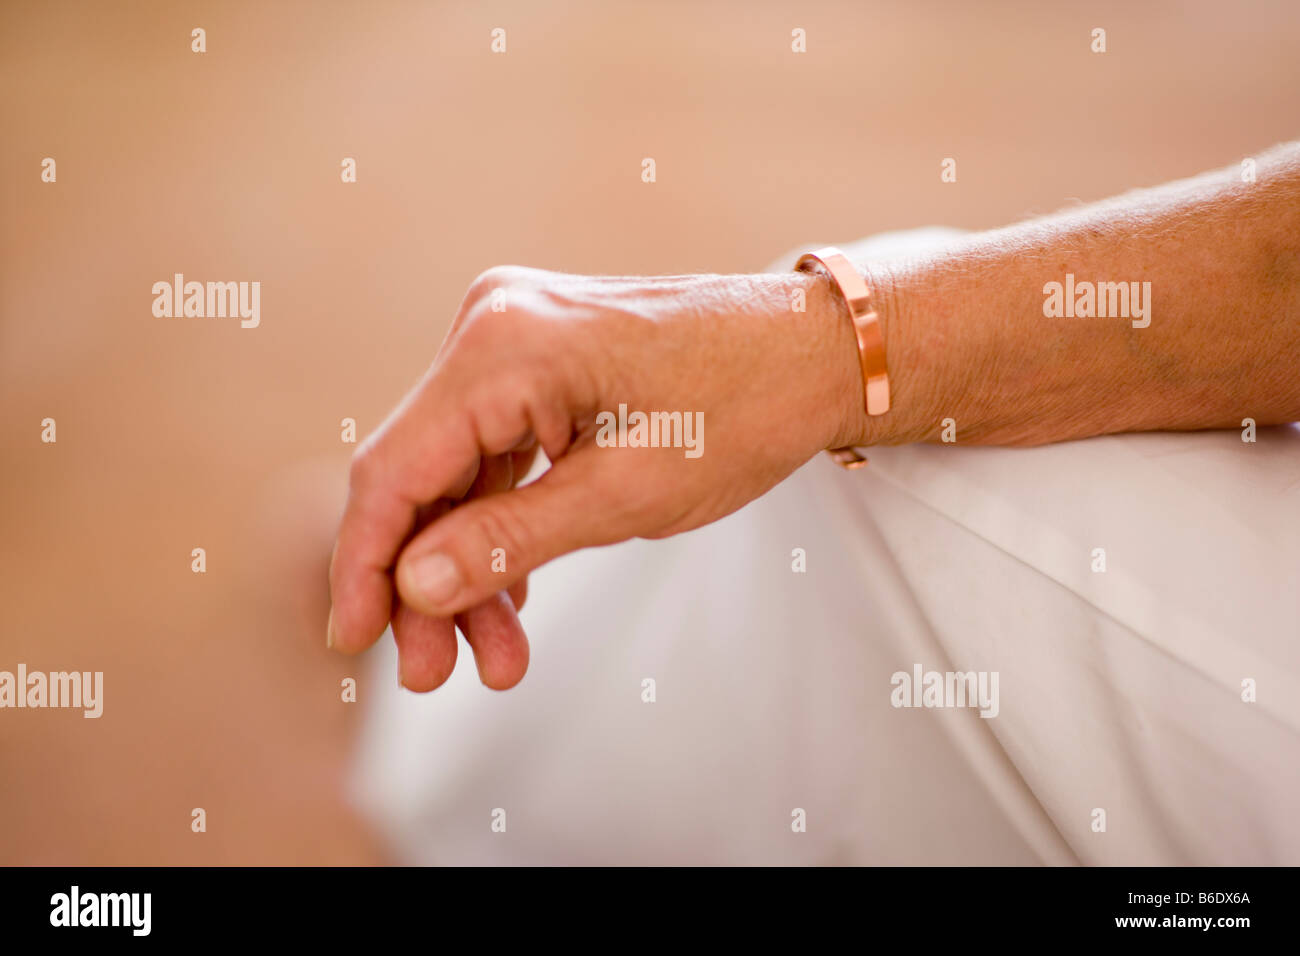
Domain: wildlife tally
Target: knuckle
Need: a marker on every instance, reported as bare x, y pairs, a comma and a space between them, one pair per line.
502, 331
505, 405
490, 280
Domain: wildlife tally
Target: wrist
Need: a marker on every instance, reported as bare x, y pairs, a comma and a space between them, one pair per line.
912, 379
904, 422
837, 391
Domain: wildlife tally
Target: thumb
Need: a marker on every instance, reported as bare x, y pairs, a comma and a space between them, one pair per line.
489, 543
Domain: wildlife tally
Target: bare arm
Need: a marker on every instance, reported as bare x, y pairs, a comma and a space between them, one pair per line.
1174, 308
967, 337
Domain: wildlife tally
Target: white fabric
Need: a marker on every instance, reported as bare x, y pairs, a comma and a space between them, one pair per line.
1119, 690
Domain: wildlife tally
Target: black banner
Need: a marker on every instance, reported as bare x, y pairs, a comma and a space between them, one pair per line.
616, 907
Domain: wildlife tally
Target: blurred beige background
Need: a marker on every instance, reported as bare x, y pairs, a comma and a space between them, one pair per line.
183, 433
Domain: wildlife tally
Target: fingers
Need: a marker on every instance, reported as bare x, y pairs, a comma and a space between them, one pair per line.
500, 646
392, 475
497, 474
439, 444
491, 543
422, 453
521, 462
518, 593
427, 645
426, 648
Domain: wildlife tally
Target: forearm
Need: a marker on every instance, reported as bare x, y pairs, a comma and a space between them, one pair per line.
967, 337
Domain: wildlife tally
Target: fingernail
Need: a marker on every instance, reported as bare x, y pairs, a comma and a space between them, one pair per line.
329, 630
436, 577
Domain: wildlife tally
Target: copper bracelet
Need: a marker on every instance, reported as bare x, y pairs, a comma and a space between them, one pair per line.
871, 343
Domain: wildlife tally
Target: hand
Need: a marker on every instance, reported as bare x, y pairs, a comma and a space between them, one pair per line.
437, 526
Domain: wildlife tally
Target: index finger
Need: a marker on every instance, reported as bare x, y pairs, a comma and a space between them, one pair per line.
417, 456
